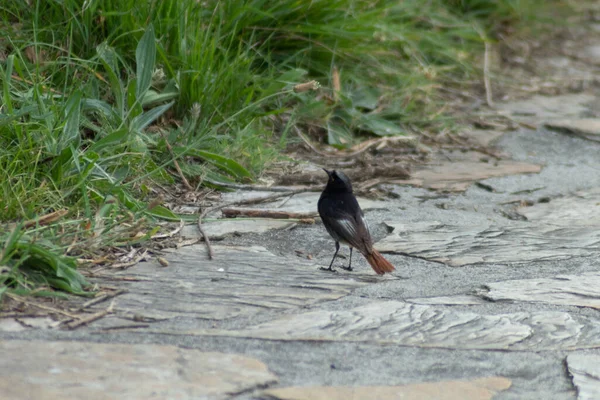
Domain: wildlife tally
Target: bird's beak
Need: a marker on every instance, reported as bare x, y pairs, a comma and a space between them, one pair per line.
328, 172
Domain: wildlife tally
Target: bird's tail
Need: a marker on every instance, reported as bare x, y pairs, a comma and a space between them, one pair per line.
379, 264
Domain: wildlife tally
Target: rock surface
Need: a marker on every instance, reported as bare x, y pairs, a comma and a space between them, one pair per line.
585, 369
91, 371
477, 389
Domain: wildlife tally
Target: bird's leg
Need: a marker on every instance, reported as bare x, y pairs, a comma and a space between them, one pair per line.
330, 269
349, 267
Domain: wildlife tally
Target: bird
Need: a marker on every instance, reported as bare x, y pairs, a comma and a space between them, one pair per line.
344, 220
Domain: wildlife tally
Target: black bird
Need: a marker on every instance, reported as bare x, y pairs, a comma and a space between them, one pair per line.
345, 222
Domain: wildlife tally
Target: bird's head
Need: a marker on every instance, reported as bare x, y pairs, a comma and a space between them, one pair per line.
338, 182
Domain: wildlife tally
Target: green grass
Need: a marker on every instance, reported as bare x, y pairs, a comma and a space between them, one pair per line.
90, 95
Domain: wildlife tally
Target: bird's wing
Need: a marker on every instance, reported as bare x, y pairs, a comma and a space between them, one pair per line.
350, 228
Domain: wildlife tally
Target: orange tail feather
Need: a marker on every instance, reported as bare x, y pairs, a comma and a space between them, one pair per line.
379, 264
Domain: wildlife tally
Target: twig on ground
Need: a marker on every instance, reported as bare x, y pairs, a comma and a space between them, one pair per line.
100, 299
183, 178
257, 200
257, 213
170, 234
21, 315
131, 326
40, 306
46, 219
124, 265
358, 149
264, 188
486, 68
211, 253
90, 318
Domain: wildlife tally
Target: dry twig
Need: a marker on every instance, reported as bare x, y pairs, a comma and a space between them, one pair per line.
40, 306
258, 213
170, 234
359, 148
183, 178
90, 318
100, 299
204, 213
486, 68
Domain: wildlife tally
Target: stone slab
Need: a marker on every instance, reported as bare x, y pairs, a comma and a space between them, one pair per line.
240, 280
572, 290
92, 371
226, 227
588, 128
585, 370
558, 230
456, 175
394, 322
476, 389
299, 203
546, 108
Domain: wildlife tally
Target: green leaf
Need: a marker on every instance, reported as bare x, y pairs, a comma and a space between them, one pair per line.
70, 133
366, 97
6, 83
152, 97
112, 138
134, 106
145, 57
140, 122
338, 133
226, 164
379, 126
163, 213
100, 106
108, 58
291, 77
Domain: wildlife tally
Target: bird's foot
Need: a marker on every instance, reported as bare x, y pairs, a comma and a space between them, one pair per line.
328, 269
348, 268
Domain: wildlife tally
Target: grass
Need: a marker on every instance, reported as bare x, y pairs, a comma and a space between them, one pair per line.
93, 91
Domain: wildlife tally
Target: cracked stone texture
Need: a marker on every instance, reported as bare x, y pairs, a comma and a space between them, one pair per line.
457, 176
477, 389
588, 128
221, 229
585, 369
426, 326
547, 108
91, 371
558, 230
574, 290
239, 281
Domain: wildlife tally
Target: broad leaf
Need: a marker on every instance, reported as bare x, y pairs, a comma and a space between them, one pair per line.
145, 57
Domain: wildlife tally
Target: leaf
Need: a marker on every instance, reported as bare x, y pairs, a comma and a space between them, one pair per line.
101, 107
140, 122
290, 77
70, 133
6, 83
366, 97
226, 164
108, 58
117, 136
152, 97
145, 57
338, 133
163, 213
380, 126
134, 106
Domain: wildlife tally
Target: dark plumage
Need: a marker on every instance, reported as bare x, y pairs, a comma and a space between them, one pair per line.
345, 222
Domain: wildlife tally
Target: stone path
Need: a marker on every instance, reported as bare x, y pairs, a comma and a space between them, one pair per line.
496, 295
